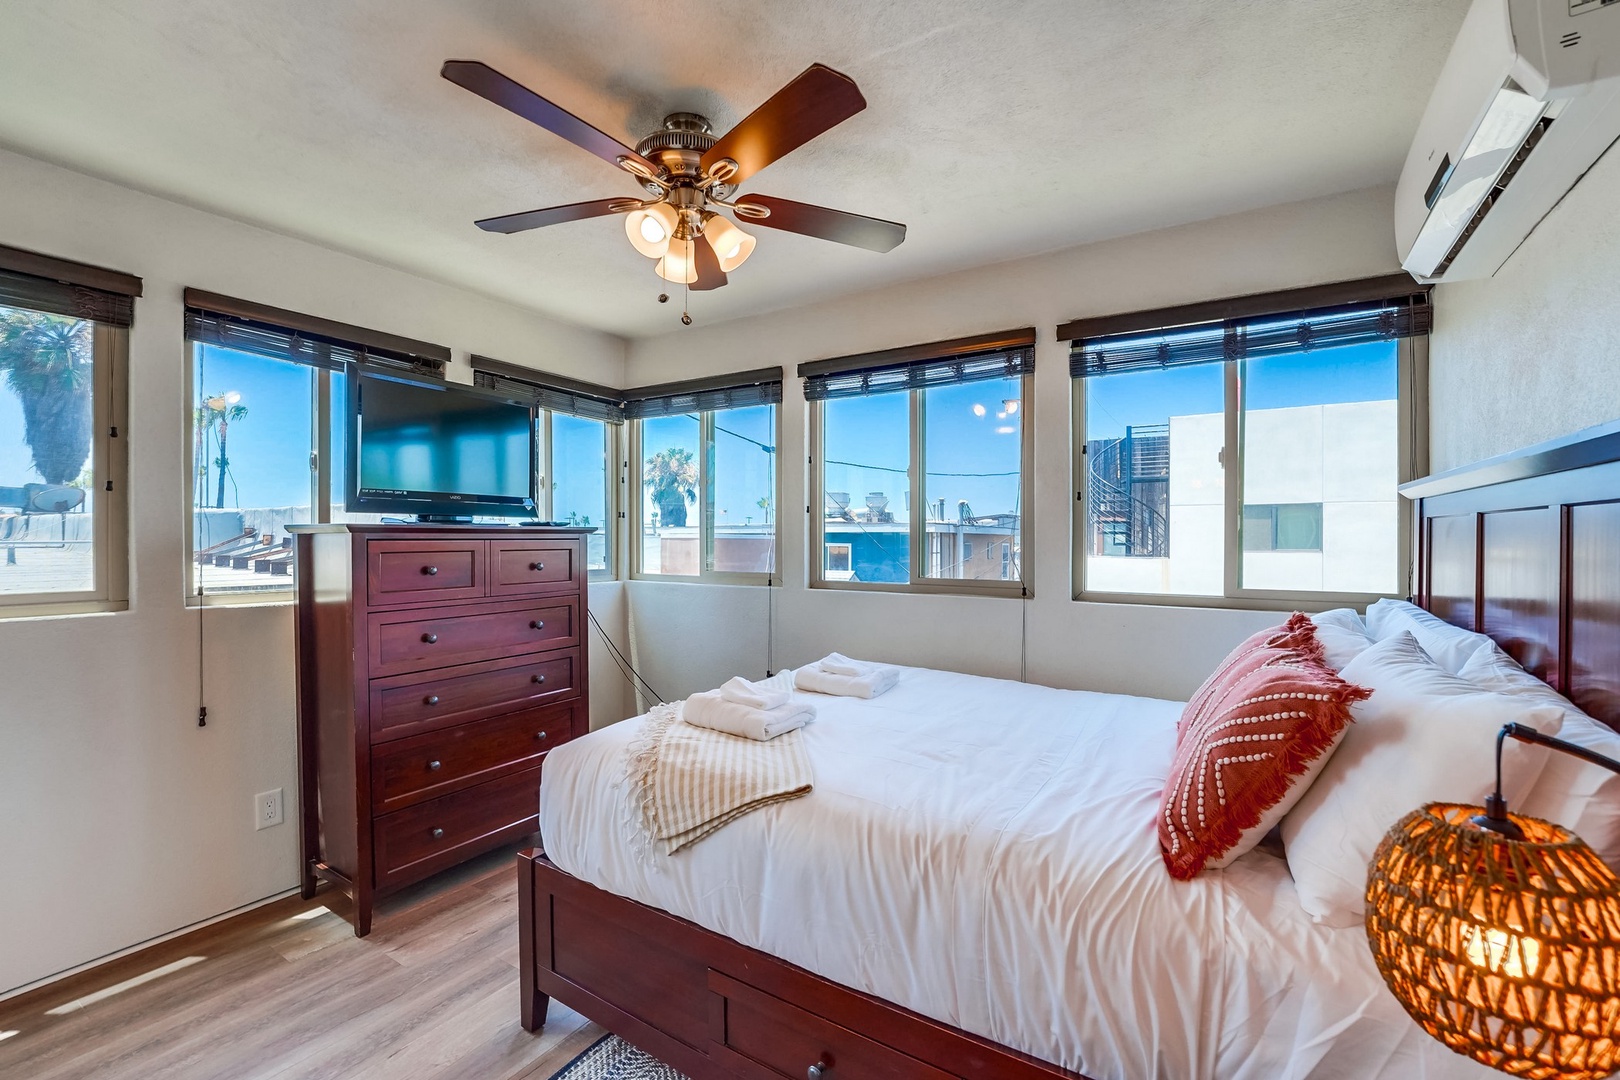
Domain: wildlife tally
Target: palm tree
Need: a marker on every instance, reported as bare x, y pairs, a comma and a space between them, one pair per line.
671, 479
48, 362
215, 415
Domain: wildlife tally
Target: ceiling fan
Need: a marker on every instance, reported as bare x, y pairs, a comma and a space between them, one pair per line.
687, 171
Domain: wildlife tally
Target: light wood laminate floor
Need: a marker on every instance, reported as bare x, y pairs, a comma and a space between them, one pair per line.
287, 991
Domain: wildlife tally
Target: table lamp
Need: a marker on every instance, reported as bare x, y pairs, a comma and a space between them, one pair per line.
1500, 934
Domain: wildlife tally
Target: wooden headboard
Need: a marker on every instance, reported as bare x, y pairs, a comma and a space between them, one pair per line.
1526, 548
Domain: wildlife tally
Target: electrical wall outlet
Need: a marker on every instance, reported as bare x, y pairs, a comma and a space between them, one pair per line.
267, 809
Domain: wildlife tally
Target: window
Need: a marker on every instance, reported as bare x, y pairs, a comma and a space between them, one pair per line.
1255, 457
839, 561
63, 357
579, 425
704, 459
1282, 527
918, 463
265, 419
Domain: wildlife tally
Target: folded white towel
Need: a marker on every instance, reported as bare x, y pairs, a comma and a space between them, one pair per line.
839, 664
711, 710
755, 695
877, 680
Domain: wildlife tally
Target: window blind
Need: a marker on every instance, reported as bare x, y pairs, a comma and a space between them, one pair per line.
736, 391
1253, 336
547, 391
1003, 355
304, 339
61, 287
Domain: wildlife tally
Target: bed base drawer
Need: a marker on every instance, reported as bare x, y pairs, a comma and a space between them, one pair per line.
763, 1037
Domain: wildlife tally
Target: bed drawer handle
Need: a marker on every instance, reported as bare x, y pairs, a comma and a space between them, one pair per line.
438, 834
430, 571
537, 566
433, 766
821, 1070
430, 638
537, 624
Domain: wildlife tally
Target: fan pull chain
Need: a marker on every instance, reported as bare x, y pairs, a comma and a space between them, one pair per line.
686, 303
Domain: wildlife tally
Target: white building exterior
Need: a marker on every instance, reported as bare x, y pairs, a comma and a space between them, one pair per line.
1341, 457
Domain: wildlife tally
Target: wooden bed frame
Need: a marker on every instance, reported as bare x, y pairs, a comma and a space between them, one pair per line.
1525, 548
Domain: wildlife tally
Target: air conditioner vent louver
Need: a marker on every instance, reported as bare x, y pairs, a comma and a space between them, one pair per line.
1502, 182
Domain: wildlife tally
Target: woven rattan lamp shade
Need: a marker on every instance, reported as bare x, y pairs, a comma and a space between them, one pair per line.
1507, 951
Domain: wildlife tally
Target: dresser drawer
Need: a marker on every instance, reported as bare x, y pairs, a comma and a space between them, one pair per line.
424, 839
417, 571
413, 641
407, 705
407, 771
517, 567
762, 1037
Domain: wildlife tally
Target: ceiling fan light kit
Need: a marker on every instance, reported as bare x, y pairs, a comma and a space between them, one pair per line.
686, 170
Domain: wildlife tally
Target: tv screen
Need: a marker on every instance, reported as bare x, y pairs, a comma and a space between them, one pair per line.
438, 449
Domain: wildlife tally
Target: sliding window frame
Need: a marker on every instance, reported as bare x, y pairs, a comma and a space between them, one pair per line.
636, 459
916, 475
1412, 383
613, 465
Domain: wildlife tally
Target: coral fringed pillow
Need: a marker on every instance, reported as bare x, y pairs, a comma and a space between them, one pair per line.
1249, 742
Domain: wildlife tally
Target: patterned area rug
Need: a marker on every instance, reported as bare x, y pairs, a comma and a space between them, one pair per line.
611, 1058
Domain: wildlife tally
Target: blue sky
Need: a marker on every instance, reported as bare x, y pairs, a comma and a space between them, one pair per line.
269, 447
1352, 373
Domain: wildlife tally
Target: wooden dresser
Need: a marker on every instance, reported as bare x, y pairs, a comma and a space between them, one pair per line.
436, 666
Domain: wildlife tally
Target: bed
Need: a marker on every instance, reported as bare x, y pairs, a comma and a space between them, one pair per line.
1038, 934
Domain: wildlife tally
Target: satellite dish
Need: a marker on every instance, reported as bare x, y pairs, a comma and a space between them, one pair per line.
56, 499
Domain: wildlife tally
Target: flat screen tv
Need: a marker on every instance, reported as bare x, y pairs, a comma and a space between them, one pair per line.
437, 450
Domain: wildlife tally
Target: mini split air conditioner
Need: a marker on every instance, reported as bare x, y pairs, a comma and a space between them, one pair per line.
1528, 100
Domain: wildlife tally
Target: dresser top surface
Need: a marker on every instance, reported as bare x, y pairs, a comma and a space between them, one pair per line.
481, 531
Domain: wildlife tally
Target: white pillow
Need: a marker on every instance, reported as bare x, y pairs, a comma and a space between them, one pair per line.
1343, 636
1450, 646
1423, 736
1582, 797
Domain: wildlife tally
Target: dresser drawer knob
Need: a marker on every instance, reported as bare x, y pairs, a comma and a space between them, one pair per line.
540, 735
537, 624
433, 766
537, 679
821, 1070
430, 571
430, 638
438, 834
537, 566
431, 699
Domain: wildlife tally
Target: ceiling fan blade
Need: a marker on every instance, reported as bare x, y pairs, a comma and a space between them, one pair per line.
553, 215
709, 274
816, 101
491, 85
856, 230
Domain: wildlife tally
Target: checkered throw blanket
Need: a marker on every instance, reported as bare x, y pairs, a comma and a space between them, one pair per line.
688, 781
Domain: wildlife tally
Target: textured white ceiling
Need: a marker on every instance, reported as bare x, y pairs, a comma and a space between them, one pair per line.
993, 130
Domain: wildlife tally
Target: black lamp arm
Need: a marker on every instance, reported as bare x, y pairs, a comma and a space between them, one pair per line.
1496, 806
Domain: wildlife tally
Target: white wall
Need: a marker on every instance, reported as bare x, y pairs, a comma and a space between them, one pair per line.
1534, 352
690, 636
124, 820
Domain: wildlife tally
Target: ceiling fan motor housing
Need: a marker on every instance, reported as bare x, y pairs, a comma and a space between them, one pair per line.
679, 148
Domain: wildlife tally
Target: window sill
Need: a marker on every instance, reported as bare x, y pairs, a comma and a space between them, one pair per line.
61, 609
711, 579
279, 598
1000, 590
1279, 602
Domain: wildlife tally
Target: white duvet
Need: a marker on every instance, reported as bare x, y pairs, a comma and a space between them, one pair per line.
983, 852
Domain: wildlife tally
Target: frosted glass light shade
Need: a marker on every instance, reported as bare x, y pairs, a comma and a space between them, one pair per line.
649, 230
678, 264
731, 245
